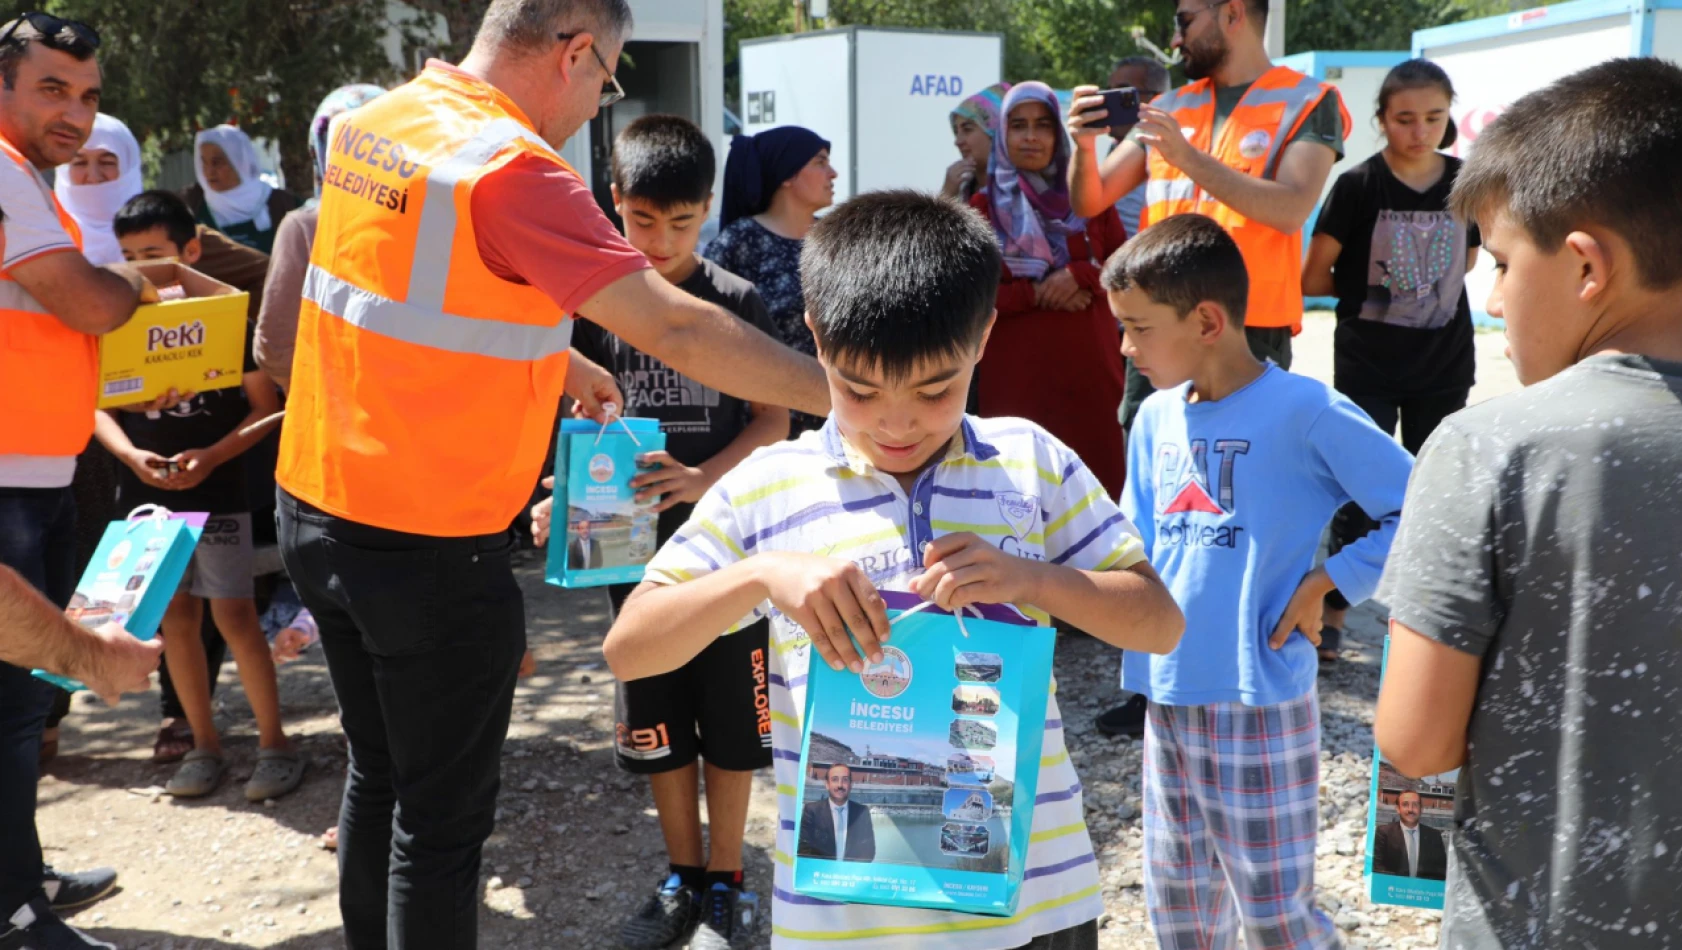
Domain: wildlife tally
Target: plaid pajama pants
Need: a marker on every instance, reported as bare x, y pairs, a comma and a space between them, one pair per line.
1231, 813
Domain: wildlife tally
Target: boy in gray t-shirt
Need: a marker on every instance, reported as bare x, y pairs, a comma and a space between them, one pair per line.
1536, 582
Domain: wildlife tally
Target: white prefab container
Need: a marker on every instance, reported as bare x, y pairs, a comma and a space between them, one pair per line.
882, 97
673, 63
1498, 59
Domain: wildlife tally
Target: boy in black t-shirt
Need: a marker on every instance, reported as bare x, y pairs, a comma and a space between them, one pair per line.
190, 459
662, 188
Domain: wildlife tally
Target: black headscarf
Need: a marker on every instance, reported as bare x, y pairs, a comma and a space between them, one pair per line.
759, 164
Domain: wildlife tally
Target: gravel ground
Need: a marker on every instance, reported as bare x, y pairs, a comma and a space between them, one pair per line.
576, 846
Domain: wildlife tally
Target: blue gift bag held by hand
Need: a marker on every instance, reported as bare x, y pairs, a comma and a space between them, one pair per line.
133, 575
606, 537
919, 774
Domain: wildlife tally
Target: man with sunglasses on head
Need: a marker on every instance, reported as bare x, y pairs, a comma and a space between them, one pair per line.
1246, 142
53, 306
453, 249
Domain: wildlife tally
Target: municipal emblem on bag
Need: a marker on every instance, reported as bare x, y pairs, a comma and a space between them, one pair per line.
1018, 510
1255, 144
601, 467
890, 677
118, 555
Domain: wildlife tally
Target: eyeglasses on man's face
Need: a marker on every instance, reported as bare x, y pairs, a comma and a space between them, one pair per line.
1185, 18
612, 92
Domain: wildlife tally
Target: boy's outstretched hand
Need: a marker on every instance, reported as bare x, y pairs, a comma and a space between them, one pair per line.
1304, 612
541, 515
962, 569
826, 597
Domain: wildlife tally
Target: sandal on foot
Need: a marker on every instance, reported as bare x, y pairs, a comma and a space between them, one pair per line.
200, 774
330, 839
173, 743
278, 771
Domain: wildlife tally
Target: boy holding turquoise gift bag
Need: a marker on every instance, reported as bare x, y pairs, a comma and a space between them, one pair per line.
133, 574
609, 534
942, 740
901, 492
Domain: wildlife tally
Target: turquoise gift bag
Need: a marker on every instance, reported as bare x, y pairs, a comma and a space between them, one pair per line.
600, 535
134, 574
941, 742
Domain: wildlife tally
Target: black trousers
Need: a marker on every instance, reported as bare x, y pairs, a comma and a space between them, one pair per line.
1418, 417
38, 540
423, 638
1267, 343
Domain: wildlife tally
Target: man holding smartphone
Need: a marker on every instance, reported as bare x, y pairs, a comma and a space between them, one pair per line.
1247, 143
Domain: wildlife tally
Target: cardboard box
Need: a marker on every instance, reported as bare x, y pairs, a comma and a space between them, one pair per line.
194, 344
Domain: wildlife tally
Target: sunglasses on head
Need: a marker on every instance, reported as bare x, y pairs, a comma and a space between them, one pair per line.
1185, 18
609, 95
55, 32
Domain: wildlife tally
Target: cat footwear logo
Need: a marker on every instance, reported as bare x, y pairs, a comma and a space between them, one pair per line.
1183, 482
174, 343
1019, 511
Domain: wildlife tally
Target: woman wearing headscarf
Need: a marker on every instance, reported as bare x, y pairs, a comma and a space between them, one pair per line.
775, 183
102, 177
974, 123
231, 195
1055, 353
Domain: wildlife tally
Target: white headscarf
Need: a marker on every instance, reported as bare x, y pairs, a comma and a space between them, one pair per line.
95, 206
247, 201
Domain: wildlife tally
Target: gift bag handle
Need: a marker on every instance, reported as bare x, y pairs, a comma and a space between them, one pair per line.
610, 412
154, 513
957, 615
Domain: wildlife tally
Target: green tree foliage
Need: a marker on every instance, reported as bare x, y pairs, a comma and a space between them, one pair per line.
172, 67
1365, 25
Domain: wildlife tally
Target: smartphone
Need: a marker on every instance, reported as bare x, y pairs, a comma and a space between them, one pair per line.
1123, 108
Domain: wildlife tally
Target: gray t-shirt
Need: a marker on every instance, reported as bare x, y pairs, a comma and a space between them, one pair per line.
1543, 533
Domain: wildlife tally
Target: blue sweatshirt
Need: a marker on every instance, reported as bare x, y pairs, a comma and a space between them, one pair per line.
1231, 498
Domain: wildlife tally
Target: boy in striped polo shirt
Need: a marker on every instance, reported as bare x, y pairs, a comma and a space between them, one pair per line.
900, 491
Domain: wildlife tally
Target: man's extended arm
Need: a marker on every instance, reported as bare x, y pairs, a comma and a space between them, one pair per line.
1094, 186
707, 343
85, 298
34, 633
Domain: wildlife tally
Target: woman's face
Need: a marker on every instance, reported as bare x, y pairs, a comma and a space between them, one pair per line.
814, 185
1415, 120
219, 173
972, 140
94, 166
1031, 136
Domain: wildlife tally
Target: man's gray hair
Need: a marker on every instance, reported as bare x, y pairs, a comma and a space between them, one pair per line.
1155, 72
532, 24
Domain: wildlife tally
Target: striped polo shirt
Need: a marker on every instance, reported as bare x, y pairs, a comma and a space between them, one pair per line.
1008, 481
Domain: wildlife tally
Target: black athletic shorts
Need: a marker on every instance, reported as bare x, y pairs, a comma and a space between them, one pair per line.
715, 707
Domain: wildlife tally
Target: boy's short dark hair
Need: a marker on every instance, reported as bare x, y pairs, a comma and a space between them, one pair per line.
895, 278
1600, 146
664, 160
157, 209
1181, 262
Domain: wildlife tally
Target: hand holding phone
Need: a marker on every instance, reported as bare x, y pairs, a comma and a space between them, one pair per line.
1121, 107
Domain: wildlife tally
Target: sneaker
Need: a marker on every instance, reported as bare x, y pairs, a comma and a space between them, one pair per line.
725, 914
1128, 719
664, 919
69, 891
36, 927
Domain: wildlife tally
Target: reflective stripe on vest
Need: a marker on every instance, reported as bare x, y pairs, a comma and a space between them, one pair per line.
1276, 104
51, 415
424, 385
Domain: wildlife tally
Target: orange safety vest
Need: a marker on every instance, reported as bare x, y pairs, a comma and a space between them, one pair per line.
51, 372
424, 387
1252, 140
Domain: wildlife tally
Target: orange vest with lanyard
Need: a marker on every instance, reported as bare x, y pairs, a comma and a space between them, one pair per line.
1252, 141
52, 413
424, 387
